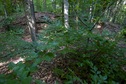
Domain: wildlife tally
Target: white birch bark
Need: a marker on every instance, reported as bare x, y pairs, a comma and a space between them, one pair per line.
66, 13
31, 19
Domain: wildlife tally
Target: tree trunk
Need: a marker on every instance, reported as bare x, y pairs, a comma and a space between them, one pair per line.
44, 5
62, 4
91, 13
31, 19
77, 19
66, 13
4, 8
38, 6
54, 5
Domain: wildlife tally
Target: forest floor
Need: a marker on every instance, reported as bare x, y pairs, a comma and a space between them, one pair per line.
45, 69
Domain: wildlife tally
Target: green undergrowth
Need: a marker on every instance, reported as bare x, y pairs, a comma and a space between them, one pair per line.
12, 45
87, 58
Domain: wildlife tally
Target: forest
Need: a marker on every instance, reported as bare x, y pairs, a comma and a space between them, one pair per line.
62, 41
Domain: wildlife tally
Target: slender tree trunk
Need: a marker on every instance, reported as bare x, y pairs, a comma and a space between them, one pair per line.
44, 5
62, 4
91, 13
54, 5
38, 6
31, 19
66, 13
116, 8
77, 19
4, 7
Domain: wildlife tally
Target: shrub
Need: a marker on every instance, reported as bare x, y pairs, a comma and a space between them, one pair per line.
96, 59
86, 57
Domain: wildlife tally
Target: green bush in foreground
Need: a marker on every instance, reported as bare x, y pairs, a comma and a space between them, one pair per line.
96, 59
89, 58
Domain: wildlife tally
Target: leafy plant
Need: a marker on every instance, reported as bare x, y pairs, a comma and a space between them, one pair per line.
97, 59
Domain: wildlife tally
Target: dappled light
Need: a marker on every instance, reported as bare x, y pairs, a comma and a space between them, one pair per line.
63, 42
4, 65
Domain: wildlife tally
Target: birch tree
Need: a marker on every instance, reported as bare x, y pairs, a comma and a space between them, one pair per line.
66, 13
31, 19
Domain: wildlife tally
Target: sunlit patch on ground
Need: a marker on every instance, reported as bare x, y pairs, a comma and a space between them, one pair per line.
4, 65
14, 60
27, 38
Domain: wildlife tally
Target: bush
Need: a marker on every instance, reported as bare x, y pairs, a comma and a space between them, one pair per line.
86, 57
91, 58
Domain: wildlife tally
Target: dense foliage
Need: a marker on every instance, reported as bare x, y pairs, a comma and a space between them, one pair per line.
86, 55
96, 59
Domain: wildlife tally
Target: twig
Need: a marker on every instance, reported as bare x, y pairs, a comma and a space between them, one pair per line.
81, 19
101, 16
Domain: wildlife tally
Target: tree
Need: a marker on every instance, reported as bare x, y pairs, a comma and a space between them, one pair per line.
54, 4
44, 5
31, 19
38, 5
66, 13
4, 7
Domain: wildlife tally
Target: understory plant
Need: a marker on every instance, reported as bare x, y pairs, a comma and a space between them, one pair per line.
86, 58
91, 58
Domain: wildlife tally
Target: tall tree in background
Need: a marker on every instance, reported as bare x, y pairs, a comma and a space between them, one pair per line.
38, 6
4, 8
54, 4
77, 8
66, 13
44, 5
31, 19
91, 9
